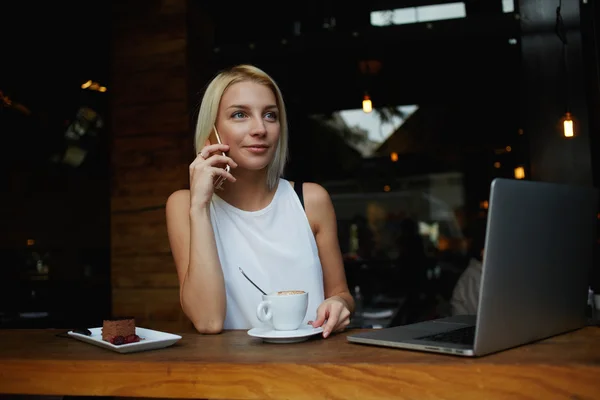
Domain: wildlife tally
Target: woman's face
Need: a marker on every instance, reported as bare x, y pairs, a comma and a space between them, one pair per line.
248, 121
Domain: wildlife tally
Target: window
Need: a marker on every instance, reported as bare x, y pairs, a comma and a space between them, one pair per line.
366, 132
412, 15
508, 6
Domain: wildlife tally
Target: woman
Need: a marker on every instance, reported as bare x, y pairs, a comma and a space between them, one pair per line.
257, 221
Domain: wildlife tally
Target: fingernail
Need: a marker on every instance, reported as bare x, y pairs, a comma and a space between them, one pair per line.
325, 334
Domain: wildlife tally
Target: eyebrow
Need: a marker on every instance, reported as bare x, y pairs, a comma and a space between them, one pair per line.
244, 107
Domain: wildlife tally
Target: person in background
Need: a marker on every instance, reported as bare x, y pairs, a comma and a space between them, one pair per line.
282, 234
465, 295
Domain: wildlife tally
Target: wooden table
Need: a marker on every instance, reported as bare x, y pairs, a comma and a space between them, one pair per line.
234, 365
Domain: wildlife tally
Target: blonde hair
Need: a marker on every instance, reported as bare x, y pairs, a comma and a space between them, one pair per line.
209, 109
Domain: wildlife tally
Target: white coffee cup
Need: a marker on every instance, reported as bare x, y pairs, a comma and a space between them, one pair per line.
285, 310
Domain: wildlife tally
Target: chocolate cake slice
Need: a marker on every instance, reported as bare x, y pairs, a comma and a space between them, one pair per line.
119, 330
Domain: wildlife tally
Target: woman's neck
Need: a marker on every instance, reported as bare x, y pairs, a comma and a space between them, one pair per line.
250, 191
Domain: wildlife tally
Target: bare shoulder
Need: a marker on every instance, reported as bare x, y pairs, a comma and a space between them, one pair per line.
316, 195
179, 199
318, 206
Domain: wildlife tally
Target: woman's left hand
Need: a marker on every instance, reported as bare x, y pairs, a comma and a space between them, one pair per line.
333, 314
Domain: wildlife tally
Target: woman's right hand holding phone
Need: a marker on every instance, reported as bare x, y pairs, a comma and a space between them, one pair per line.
205, 169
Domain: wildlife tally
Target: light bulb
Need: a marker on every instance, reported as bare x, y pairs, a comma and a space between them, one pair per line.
568, 126
519, 173
367, 105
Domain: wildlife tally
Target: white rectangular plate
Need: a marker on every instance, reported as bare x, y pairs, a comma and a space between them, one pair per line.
150, 340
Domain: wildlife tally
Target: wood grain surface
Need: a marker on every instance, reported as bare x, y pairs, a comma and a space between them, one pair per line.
152, 146
233, 365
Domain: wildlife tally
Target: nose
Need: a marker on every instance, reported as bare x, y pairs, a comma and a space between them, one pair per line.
258, 127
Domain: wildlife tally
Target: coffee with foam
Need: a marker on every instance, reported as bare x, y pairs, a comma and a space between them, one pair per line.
289, 292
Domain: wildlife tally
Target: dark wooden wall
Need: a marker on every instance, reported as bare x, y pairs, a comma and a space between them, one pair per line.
152, 145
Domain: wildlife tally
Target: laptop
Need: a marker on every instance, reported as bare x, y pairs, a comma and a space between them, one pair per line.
538, 253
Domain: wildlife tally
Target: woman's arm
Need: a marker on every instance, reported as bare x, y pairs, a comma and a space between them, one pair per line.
201, 282
323, 221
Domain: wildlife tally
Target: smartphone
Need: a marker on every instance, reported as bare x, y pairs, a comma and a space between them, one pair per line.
214, 138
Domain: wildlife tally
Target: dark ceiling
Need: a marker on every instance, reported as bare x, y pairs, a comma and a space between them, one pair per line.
425, 62
49, 49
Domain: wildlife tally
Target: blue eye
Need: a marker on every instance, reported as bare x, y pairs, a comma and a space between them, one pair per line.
238, 114
271, 115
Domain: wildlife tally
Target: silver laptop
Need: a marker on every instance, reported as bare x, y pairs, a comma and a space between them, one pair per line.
539, 246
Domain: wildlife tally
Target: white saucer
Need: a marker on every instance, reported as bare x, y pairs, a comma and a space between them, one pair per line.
270, 335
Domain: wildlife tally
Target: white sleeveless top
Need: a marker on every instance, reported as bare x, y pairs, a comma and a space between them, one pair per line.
274, 246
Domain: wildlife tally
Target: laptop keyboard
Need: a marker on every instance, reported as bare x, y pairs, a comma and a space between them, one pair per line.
459, 336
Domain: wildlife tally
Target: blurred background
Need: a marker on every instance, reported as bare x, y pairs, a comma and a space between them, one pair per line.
404, 110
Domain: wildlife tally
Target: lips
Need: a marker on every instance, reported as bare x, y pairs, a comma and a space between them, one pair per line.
257, 148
